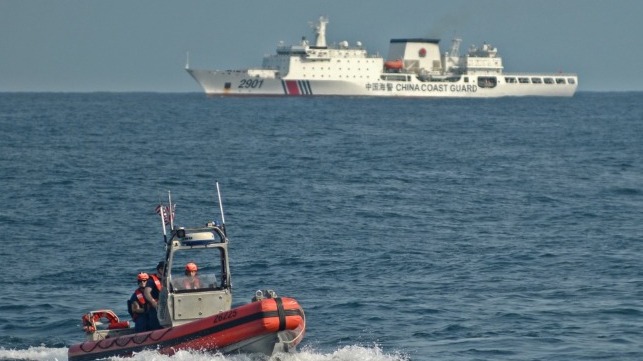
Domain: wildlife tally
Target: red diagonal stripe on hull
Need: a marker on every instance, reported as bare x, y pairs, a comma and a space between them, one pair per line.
293, 89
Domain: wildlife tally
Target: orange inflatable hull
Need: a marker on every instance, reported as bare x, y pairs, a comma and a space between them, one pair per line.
214, 333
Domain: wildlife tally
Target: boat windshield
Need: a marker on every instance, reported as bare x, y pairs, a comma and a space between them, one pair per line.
210, 269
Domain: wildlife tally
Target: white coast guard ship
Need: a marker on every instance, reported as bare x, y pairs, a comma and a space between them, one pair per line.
414, 68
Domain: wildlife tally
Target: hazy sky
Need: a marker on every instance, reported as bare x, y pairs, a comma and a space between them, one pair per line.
141, 45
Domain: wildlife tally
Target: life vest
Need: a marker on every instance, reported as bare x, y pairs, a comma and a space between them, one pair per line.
191, 284
157, 282
140, 298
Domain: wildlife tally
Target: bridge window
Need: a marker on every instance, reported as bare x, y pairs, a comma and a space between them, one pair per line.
487, 81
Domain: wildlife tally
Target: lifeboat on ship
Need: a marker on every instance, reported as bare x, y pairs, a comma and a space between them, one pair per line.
200, 319
394, 64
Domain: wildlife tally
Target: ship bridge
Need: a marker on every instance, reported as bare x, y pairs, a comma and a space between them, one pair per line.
321, 61
483, 60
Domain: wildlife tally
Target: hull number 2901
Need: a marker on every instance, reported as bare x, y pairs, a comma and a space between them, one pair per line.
250, 83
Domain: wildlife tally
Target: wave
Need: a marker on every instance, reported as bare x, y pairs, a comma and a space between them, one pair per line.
35, 353
346, 353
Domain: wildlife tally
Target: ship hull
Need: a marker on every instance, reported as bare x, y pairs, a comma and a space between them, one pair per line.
239, 83
266, 326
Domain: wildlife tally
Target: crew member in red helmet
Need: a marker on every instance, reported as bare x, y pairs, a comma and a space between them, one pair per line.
137, 305
191, 280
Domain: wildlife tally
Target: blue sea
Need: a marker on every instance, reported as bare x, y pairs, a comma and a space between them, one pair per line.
460, 230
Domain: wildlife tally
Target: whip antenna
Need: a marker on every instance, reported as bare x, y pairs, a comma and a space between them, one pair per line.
221, 209
162, 213
170, 211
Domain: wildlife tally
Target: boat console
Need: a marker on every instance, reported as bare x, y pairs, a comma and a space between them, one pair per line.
206, 247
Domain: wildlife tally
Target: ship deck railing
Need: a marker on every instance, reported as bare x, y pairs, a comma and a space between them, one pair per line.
538, 74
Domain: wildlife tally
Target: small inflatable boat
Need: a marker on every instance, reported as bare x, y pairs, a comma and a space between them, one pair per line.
268, 326
199, 318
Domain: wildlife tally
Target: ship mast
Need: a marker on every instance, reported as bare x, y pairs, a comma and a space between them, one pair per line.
320, 32
455, 47
452, 58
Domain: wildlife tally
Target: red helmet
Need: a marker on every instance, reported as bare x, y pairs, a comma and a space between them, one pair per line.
191, 267
143, 276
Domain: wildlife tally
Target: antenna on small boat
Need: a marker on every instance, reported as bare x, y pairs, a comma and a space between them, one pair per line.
221, 209
170, 211
162, 213
187, 60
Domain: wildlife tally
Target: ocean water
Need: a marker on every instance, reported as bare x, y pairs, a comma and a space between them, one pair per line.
502, 229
